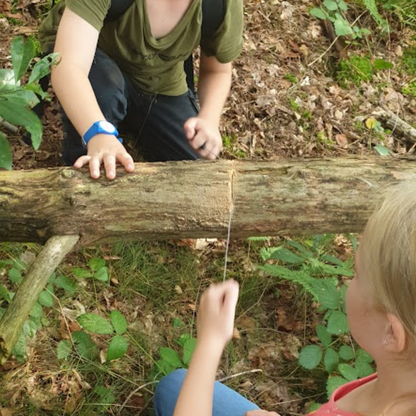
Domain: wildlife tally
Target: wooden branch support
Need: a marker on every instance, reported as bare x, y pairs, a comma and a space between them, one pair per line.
28, 293
397, 125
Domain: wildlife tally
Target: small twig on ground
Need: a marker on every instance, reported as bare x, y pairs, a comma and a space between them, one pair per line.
396, 124
133, 393
9, 127
256, 370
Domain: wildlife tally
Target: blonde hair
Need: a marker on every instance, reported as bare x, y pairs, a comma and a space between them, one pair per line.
389, 251
389, 257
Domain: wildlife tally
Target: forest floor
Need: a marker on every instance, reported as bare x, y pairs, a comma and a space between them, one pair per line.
293, 95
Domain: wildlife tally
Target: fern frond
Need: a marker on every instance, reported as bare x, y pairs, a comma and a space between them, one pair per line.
371, 6
298, 276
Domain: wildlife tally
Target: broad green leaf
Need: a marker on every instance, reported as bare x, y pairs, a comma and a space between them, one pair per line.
24, 96
348, 371
337, 323
43, 67
95, 323
64, 349
37, 89
46, 299
331, 5
65, 283
5, 153
117, 348
119, 322
164, 367
20, 348
96, 263
333, 383
15, 275
22, 54
319, 13
342, 27
7, 81
85, 347
327, 293
342, 5
382, 150
81, 273
15, 111
363, 369
310, 356
182, 339
287, 256
171, 357
188, 350
37, 311
5, 294
4, 263
346, 353
102, 274
364, 356
324, 336
331, 360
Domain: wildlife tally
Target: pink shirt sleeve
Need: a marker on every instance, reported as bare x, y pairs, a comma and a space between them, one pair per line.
331, 408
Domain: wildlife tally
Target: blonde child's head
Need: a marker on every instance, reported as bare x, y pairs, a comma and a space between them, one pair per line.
381, 299
389, 257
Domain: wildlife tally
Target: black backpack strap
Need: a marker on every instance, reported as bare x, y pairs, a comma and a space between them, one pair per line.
213, 12
117, 9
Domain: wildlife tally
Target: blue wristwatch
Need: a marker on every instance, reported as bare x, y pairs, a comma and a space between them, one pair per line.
100, 127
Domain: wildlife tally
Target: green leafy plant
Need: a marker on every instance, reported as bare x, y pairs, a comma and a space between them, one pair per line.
317, 273
334, 10
358, 69
96, 270
170, 359
17, 99
16, 270
405, 10
96, 324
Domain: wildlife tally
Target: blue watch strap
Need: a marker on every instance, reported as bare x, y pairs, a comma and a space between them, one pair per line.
99, 127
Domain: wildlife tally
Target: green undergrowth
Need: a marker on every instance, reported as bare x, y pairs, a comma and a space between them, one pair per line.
113, 320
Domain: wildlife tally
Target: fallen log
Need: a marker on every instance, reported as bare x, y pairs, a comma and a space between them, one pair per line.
193, 199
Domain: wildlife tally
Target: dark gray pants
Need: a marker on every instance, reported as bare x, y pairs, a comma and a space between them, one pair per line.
155, 121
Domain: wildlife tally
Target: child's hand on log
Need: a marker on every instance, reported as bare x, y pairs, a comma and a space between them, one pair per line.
106, 150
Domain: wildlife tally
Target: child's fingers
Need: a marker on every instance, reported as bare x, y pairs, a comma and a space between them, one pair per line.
230, 297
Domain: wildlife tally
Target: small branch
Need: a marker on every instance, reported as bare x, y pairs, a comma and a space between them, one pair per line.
28, 293
256, 370
133, 393
9, 127
396, 124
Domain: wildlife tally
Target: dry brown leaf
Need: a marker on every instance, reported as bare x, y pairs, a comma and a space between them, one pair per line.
342, 140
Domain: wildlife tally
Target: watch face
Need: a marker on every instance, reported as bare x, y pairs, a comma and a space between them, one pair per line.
106, 126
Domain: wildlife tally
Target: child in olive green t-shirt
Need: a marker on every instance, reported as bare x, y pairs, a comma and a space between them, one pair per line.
131, 70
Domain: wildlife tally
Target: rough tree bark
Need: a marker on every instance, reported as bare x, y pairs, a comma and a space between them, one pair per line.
28, 293
193, 199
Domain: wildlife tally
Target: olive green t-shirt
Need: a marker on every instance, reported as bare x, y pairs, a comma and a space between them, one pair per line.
155, 65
